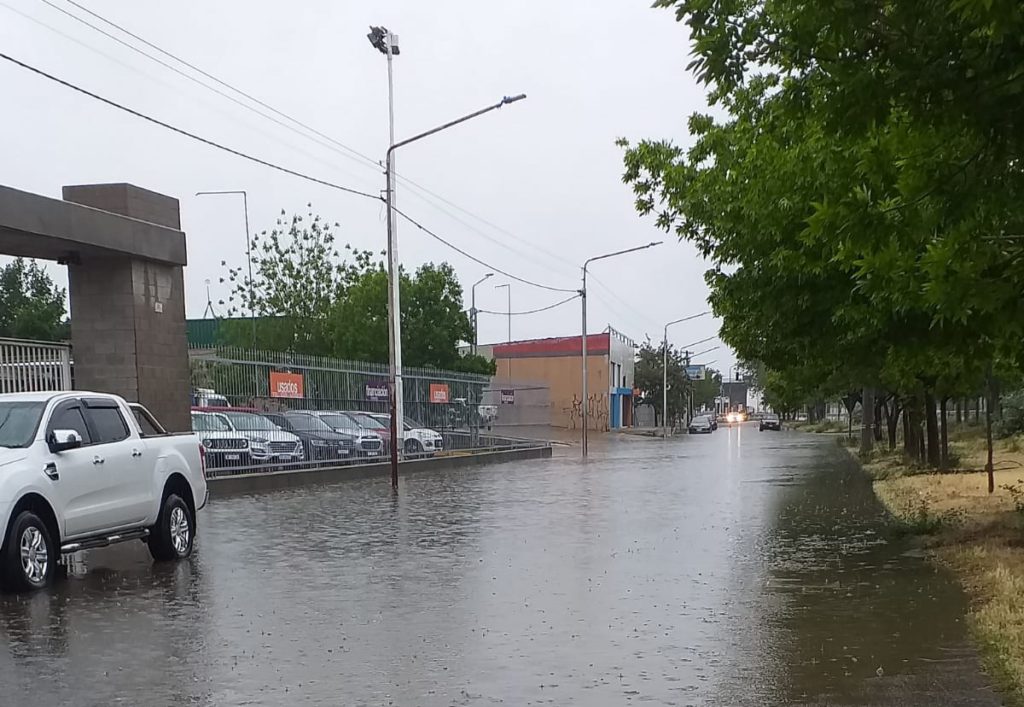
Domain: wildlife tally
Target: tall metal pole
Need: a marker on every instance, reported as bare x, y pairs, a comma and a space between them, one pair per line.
473, 311
664, 371
394, 311
583, 298
508, 288
248, 250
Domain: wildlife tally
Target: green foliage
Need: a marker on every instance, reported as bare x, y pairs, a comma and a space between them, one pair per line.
309, 300
858, 192
1011, 422
31, 306
648, 377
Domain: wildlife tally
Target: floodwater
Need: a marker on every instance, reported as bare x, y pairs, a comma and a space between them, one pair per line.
739, 568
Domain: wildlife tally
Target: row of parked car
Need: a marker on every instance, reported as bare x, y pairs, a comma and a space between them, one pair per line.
240, 437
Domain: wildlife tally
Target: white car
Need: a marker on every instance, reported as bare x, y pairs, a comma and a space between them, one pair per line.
224, 446
419, 440
77, 471
268, 443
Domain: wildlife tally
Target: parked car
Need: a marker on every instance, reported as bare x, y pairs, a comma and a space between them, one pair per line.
370, 423
322, 444
368, 443
224, 446
770, 422
701, 424
79, 473
419, 440
268, 443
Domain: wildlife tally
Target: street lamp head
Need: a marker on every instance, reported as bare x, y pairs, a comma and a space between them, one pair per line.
654, 243
512, 99
380, 37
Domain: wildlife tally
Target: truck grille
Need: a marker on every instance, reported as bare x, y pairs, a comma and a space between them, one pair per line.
228, 444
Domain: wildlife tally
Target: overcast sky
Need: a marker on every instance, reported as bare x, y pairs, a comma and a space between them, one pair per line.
545, 171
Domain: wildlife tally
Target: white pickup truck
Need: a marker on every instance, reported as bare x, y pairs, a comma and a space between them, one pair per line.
84, 470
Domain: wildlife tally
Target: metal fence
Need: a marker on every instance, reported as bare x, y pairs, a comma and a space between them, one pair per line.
32, 366
455, 405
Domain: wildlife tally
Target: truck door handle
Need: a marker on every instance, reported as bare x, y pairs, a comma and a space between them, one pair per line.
97, 460
136, 453
51, 471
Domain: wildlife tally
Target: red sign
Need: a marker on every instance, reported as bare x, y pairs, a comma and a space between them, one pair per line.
438, 393
286, 385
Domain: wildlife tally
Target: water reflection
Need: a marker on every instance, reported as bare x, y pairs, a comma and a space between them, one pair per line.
735, 568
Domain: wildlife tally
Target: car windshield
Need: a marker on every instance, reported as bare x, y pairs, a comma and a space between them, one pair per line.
370, 423
309, 423
18, 422
339, 421
250, 422
210, 423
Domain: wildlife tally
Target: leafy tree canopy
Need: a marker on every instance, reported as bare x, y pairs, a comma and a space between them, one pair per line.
31, 306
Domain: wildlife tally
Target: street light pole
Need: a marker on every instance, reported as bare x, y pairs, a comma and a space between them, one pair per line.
394, 311
248, 251
508, 289
583, 299
664, 372
472, 309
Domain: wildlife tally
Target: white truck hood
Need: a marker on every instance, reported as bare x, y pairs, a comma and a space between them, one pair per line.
12, 456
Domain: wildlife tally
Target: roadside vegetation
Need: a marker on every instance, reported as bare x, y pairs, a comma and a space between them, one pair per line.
858, 193
979, 535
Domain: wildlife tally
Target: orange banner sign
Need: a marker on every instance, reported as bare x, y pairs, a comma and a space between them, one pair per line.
286, 385
438, 393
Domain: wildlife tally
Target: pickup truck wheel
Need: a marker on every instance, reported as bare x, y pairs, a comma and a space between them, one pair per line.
413, 446
175, 530
29, 559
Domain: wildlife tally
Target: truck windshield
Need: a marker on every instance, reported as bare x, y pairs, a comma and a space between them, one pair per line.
18, 422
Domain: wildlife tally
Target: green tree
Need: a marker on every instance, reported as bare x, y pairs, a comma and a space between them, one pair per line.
31, 306
648, 378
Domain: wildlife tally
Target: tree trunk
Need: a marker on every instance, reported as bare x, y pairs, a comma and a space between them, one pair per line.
989, 466
879, 403
944, 421
931, 424
959, 411
911, 431
892, 419
867, 433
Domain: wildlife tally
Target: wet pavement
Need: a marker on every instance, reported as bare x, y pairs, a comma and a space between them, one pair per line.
740, 568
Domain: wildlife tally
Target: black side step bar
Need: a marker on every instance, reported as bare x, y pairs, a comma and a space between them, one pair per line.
104, 540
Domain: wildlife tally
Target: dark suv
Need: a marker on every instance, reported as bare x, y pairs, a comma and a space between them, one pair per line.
322, 444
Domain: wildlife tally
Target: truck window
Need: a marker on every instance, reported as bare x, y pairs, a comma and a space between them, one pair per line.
109, 425
68, 416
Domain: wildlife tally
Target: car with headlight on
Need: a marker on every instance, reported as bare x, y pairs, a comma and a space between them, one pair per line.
225, 447
268, 443
735, 416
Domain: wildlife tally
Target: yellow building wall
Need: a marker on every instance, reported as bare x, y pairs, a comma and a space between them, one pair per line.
564, 377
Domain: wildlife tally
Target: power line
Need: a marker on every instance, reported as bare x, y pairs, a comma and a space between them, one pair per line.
454, 247
271, 165
186, 133
345, 150
532, 311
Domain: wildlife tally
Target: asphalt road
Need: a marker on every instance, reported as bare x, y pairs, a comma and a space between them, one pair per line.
739, 568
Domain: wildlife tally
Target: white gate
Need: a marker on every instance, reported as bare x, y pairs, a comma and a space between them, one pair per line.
30, 366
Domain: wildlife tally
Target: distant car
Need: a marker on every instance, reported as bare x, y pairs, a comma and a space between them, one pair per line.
321, 443
224, 446
700, 425
734, 417
368, 443
268, 443
770, 422
419, 440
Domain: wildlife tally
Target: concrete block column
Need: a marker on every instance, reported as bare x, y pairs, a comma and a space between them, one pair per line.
128, 313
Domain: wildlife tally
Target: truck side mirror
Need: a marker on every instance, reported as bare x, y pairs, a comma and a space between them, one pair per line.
63, 440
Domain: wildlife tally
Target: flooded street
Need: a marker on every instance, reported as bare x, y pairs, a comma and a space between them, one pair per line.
739, 568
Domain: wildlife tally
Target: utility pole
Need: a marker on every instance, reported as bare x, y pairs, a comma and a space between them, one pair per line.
664, 372
583, 299
248, 252
473, 311
508, 289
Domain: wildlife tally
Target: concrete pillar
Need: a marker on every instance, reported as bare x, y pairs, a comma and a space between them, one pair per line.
128, 314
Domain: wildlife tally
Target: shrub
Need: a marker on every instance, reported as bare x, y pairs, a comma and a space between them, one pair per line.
1012, 420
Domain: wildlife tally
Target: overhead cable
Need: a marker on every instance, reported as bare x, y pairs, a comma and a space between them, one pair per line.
531, 311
